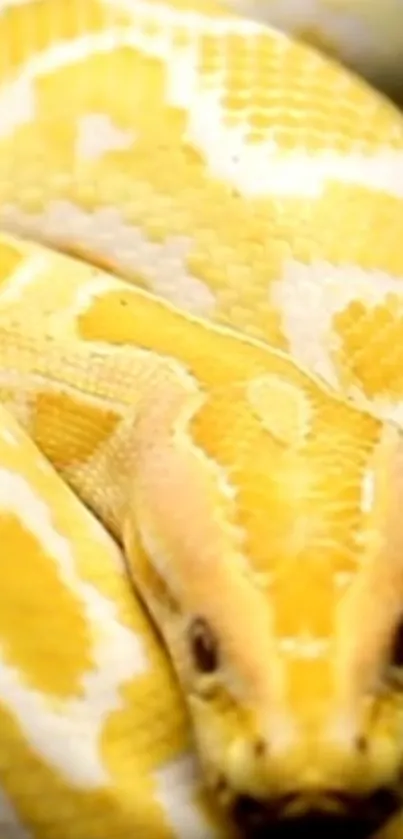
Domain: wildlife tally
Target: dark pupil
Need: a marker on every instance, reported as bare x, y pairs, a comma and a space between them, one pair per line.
204, 646
397, 647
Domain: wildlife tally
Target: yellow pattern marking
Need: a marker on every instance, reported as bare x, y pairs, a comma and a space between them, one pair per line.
223, 179
52, 409
376, 366
10, 260
21, 619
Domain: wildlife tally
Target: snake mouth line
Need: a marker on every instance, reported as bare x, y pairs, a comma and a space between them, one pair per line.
338, 816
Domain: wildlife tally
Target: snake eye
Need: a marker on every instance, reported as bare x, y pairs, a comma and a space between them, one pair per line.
204, 646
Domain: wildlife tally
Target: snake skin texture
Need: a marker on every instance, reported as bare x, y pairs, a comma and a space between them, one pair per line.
365, 35
201, 412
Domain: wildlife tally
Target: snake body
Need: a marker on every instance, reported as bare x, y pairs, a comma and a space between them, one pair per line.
201, 356
366, 35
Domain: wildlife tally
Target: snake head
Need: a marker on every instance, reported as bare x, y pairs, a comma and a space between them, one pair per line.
265, 532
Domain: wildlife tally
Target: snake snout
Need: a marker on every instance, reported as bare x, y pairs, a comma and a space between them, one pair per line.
339, 816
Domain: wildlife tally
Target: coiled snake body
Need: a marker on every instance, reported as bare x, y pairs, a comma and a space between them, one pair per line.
365, 35
201, 459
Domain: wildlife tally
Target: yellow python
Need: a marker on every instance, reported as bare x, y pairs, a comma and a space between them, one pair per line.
366, 35
201, 457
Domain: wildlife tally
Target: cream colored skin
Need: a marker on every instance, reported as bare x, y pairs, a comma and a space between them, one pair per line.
231, 407
365, 35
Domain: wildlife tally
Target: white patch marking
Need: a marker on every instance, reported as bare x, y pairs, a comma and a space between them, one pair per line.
67, 733
258, 170
305, 647
65, 320
87, 292
319, 291
162, 266
368, 492
7, 4
17, 106
385, 409
96, 134
264, 169
175, 784
31, 267
9, 437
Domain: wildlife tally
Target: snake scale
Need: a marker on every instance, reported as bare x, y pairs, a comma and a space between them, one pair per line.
365, 35
201, 455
